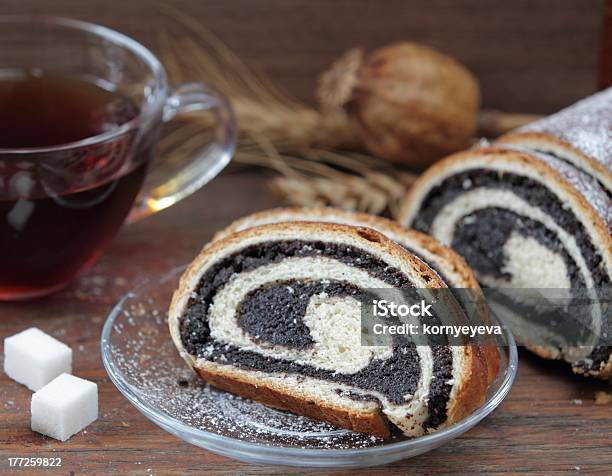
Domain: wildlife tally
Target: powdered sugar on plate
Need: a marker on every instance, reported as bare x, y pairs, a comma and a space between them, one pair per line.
141, 360
144, 357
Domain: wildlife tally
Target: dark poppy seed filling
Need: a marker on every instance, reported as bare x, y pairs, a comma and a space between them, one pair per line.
442, 375
394, 377
526, 188
433, 266
284, 305
194, 324
480, 236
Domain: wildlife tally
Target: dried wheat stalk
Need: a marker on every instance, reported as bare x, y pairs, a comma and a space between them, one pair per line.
308, 148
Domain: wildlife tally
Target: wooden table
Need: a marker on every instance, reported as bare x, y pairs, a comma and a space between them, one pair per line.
530, 56
548, 423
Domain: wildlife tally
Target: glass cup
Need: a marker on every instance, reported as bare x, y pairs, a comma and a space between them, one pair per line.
60, 205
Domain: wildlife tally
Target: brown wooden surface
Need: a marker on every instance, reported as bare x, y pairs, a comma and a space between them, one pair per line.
530, 55
541, 427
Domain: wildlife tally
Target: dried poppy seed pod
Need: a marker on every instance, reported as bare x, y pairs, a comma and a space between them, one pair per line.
409, 103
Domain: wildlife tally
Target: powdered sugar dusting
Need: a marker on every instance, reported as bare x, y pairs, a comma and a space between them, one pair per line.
584, 184
586, 125
143, 353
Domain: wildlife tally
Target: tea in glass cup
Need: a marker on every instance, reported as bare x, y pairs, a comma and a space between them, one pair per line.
79, 121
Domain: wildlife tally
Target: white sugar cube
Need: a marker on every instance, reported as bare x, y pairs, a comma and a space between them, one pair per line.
34, 358
65, 406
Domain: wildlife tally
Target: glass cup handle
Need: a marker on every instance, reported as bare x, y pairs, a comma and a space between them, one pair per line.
205, 164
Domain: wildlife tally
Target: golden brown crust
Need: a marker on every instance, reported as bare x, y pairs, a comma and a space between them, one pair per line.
371, 422
472, 393
547, 142
490, 354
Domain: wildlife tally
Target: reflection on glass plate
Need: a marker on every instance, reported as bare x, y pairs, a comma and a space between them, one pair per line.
142, 362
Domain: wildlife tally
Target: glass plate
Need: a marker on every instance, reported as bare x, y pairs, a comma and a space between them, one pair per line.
142, 362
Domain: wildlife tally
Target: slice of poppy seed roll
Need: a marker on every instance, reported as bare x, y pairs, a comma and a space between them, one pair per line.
524, 219
450, 267
580, 135
269, 313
